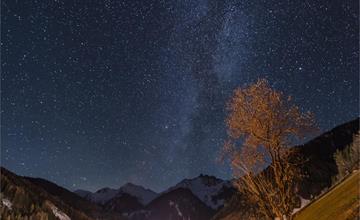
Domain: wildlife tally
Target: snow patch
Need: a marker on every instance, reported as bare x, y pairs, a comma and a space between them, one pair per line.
303, 203
171, 203
58, 213
6, 203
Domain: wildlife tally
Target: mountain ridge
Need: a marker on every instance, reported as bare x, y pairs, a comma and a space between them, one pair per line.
207, 195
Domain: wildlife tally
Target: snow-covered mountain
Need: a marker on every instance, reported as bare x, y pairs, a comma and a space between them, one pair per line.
104, 195
82, 193
177, 204
209, 189
145, 195
199, 198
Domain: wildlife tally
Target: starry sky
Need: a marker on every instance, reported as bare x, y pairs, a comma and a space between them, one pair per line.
100, 93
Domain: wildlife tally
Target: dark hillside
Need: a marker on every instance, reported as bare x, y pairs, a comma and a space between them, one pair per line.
319, 152
320, 167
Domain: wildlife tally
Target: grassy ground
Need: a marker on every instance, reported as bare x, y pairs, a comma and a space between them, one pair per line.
341, 203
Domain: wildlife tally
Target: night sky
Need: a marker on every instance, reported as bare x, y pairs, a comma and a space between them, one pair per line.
100, 93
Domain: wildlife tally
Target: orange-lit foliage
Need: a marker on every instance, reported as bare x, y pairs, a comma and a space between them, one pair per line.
262, 125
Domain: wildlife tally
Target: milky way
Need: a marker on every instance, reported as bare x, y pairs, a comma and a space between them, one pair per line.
100, 93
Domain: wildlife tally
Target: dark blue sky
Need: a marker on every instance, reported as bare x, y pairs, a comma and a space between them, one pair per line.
100, 93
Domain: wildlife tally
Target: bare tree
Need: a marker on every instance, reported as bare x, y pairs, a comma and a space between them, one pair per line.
262, 125
348, 159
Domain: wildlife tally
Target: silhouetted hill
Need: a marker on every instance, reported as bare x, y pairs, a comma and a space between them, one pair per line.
198, 198
320, 167
35, 198
177, 204
124, 204
319, 152
26, 200
66, 196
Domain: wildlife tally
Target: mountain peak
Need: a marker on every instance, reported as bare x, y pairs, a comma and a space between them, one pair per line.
144, 195
207, 188
104, 195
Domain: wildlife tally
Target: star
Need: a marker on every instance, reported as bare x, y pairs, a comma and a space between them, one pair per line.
121, 92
